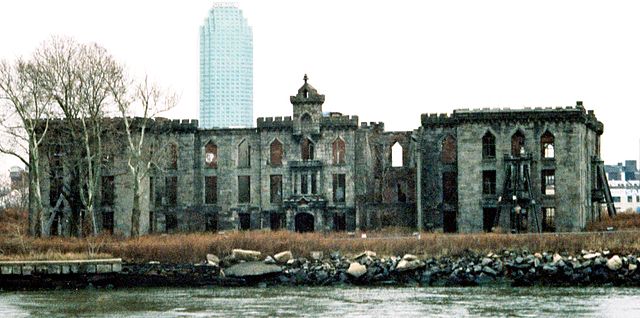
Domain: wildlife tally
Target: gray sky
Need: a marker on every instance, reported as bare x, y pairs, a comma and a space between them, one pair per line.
384, 61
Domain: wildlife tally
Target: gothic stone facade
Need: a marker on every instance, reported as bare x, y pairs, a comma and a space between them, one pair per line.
317, 171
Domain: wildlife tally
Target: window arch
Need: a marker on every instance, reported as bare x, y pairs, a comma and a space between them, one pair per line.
448, 154
488, 146
244, 154
338, 151
396, 155
307, 149
547, 143
172, 153
276, 152
211, 155
517, 144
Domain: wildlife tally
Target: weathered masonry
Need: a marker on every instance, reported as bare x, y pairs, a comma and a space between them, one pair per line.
523, 170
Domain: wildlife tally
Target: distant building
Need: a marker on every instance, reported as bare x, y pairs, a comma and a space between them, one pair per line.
226, 69
19, 178
624, 181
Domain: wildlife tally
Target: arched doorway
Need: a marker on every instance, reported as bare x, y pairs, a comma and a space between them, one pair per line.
304, 222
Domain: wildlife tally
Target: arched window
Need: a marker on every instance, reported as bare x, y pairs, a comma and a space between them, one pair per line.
396, 155
276, 153
547, 143
244, 154
488, 146
448, 154
305, 121
172, 162
307, 149
517, 144
338, 151
211, 155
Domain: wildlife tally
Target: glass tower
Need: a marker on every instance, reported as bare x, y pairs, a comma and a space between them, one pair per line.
226, 69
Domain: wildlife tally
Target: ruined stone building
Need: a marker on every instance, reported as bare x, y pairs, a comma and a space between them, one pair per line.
524, 170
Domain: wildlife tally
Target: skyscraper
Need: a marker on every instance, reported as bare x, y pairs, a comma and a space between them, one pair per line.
226, 68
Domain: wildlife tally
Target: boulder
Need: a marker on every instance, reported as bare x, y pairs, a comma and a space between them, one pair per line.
251, 269
245, 255
409, 257
404, 265
590, 256
633, 267
537, 255
556, 257
316, 255
489, 270
212, 260
283, 257
486, 261
365, 254
614, 263
269, 260
356, 269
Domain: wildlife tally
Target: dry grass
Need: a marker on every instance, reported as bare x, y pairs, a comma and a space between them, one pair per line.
187, 248
622, 221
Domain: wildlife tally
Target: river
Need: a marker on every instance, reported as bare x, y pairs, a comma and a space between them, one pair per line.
325, 302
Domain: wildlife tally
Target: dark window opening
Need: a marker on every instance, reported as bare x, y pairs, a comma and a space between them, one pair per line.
305, 121
211, 155
338, 151
171, 222
489, 182
56, 175
56, 225
107, 221
314, 186
629, 199
173, 156
245, 221
338, 188
171, 191
211, 222
303, 184
244, 154
276, 221
489, 218
450, 221
304, 222
517, 144
244, 189
108, 191
448, 155
547, 143
401, 196
152, 221
548, 220
276, 152
488, 146
276, 189
210, 190
307, 149
548, 182
450, 188
616, 199
339, 222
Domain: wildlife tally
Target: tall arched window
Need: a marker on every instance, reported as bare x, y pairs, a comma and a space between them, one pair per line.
488, 146
396, 155
547, 142
448, 154
244, 154
172, 162
338, 151
307, 149
517, 144
276, 153
211, 155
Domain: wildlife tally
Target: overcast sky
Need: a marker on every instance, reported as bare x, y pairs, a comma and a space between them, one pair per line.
382, 60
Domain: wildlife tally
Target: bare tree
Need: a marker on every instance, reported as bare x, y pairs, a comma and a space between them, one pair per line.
145, 102
25, 110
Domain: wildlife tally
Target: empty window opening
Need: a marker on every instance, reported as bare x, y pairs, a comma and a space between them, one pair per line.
173, 156
488, 218
450, 188
276, 221
489, 182
338, 151
304, 222
244, 189
396, 155
210, 190
276, 153
548, 182
171, 222
615, 199
448, 155
314, 185
152, 221
245, 221
304, 186
211, 155
338, 188
548, 219
171, 191
276, 188
307, 149
108, 191
517, 144
56, 175
339, 222
629, 199
401, 196
107, 221
547, 142
488, 146
211, 222
244, 154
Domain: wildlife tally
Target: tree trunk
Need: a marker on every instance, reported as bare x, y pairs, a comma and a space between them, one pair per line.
135, 212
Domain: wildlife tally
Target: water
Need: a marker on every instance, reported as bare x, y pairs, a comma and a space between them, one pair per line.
325, 302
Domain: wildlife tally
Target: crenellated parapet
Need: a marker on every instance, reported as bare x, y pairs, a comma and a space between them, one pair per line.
275, 123
374, 126
343, 122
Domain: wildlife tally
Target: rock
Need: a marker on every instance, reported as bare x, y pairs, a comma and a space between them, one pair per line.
317, 255
556, 257
251, 269
291, 261
633, 267
519, 260
614, 263
590, 256
365, 254
212, 260
335, 255
405, 265
245, 255
549, 268
356, 270
605, 252
486, 261
269, 260
409, 257
489, 270
283, 257
537, 255
154, 262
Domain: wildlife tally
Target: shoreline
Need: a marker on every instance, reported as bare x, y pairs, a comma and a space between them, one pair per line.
243, 268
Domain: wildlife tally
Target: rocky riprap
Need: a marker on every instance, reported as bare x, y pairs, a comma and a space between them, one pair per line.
505, 268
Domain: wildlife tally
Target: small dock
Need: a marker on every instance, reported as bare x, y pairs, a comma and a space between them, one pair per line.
92, 266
